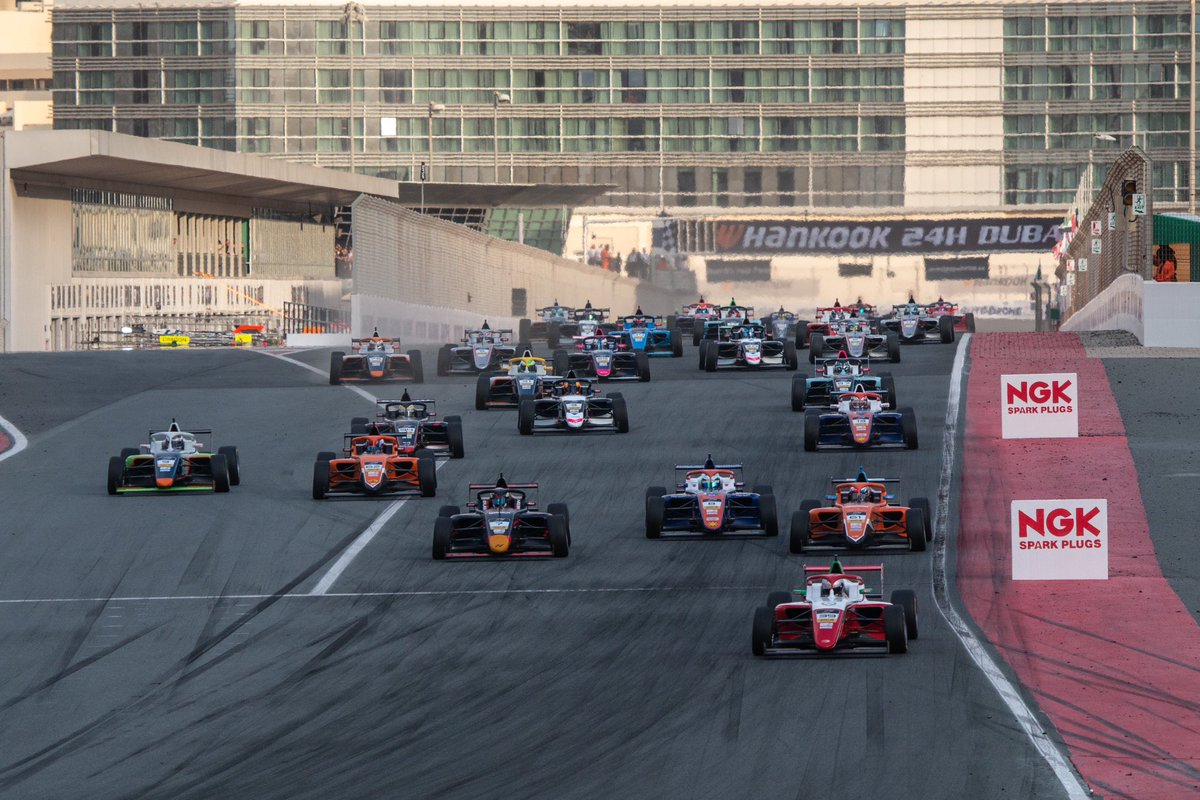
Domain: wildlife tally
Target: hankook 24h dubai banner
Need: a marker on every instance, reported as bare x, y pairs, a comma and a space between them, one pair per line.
906, 236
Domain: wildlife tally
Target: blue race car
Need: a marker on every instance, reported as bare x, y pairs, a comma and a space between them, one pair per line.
646, 333
710, 499
860, 421
834, 377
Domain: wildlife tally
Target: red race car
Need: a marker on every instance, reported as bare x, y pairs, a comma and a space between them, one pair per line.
372, 465
861, 514
376, 358
835, 613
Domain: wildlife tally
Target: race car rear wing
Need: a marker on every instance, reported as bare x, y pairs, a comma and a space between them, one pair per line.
474, 486
430, 406
680, 467
864, 571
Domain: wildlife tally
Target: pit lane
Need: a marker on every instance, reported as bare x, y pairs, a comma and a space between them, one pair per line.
174, 649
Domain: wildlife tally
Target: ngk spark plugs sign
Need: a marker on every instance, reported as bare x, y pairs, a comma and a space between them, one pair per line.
1063, 540
1042, 406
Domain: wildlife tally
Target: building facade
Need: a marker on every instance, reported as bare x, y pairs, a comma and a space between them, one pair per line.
25, 74
880, 104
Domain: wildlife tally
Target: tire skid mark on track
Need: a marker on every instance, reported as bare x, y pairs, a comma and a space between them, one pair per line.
1009, 693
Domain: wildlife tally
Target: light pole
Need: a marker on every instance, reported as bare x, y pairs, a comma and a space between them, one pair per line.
351, 14
434, 108
497, 99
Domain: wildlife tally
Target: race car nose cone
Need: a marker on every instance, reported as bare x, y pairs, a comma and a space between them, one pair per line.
164, 483
499, 543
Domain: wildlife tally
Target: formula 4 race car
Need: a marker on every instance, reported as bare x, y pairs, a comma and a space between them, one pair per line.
502, 522
836, 613
558, 322
573, 406
722, 316
522, 376
854, 337
860, 421
376, 358
836, 376
691, 317
646, 334
482, 350
710, 499
416, 427
372, 465
603, 357
744, 346
914, 324
861, 514
783, 326
174, 460
829, 318
963, 323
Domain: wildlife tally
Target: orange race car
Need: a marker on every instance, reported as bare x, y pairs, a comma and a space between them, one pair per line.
861, 514
372, 466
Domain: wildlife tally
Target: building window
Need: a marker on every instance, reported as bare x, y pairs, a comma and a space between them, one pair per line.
686, 179
753, 186
394, 86
785, 182
633, 86
583, 38
720, 187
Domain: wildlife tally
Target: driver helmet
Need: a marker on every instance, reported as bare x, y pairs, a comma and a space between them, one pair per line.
859, 404
864, 494
501, 499
177, 443
841, 587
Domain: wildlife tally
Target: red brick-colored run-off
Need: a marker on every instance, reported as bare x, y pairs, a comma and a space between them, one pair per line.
1114, 664
5, 441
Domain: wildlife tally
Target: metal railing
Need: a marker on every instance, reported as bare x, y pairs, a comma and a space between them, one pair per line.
304, 318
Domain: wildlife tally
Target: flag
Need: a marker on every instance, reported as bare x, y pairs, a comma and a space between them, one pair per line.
668, 236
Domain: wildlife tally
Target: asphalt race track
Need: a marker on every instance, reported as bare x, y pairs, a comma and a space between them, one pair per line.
168, 647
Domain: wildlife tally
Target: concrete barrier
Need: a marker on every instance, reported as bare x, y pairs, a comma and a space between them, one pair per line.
318, 340
414, 323
1119, 307
1172, 314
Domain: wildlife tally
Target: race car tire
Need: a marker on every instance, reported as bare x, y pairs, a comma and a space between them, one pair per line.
326, 455
816, 347
656, 509
525, 330
220, 473
561, 510
697, 331
895, 630
126, 452
358, 425
116, 473
671, 320
442, 527
969, 321
620, 412
907, 599
483, 391
445, 353
320, 478
676, 343
553, 334
233, 462
923, 504
525, 415
798, 536
791, 359
908, 426
710, 356
893, 347
768, 513
561, 362
764, 628
888, 384
414, 362
335, 367
812, 431
427, 475
915, 529
560, 542
703, 347
454, 436
802, 333
799, 392
643, 367
778, 598
447, 511
946, 329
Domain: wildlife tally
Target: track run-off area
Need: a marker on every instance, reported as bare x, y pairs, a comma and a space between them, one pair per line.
264, 644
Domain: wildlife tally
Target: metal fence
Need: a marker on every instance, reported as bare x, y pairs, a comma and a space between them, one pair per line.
303, 318
1106, 238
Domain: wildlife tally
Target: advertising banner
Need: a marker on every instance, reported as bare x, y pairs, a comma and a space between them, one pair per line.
1059, 540
1040, 406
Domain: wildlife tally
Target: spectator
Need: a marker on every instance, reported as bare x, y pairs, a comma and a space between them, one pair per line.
604, 258
1165, 264
617, 263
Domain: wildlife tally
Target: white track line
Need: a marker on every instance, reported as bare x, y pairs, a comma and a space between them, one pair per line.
1046, 747
356, 595
363, 539
19, 442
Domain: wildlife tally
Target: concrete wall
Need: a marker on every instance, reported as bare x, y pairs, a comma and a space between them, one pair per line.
1171, 313
444, 275
41, 256
1120, 307
280, 249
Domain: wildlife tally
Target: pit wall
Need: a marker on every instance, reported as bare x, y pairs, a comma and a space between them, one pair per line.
433, 278
1158, 314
